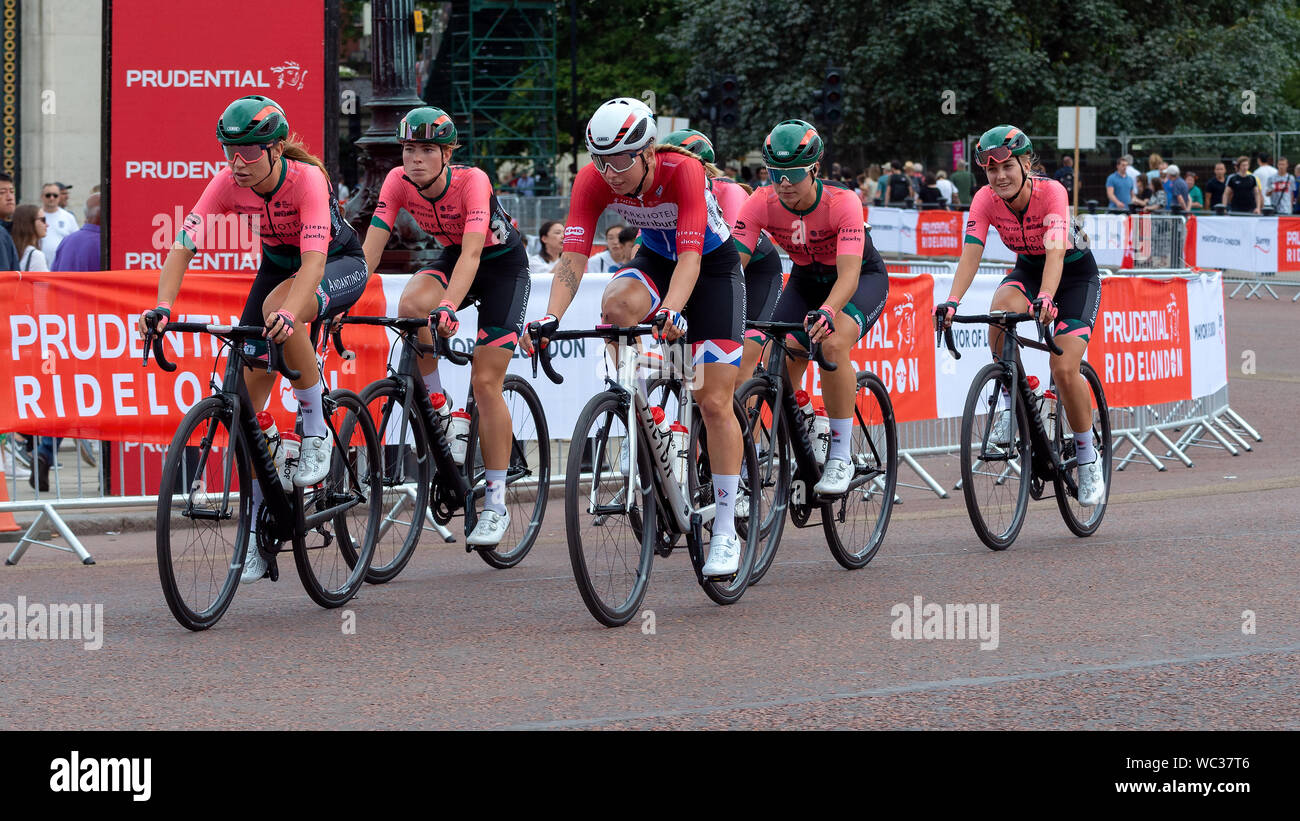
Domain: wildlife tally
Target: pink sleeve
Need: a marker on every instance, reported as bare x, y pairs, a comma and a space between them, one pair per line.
731, 198
213, 201
846, 216
752, 219
589, 197
977, 221
692, 211
391, 197
1056, 220
478, 199
314, 211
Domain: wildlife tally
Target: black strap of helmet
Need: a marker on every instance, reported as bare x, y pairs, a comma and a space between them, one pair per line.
644, 174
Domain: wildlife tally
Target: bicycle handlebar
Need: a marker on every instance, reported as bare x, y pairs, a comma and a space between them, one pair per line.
1008, 321
408, 327
606, 332
275, 359
772, 329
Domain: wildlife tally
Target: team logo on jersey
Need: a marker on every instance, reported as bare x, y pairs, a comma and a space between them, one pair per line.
575, 231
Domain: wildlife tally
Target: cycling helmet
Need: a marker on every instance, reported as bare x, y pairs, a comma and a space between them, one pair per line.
692, 141
792, 144
1000, 143
252, 120
427, 125
620, 125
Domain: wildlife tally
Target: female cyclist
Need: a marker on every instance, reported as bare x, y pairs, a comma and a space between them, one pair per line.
838, 284
1032, 216
686, 254
312, 265
483, 260
763, 270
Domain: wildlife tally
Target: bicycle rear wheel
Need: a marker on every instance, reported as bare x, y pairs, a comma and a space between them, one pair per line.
700, 481
528, 474
203, 519
332, 573
856, 523
771, 438
610, 547
1083, 521
994, 478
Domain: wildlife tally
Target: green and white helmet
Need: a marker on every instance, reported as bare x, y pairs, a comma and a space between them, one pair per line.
1000, 143
692, 141
252, 120
792, 144
427, 125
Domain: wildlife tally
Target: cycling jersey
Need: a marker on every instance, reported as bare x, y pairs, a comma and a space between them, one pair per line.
832, 227
300, 215
731, 197
1046, 220
466, 205
678, 214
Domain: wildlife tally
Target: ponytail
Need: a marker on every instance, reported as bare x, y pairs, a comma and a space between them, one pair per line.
711, 169
294, 149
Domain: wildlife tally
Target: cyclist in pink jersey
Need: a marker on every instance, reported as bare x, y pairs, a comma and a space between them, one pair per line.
763, 271
1032, 217
686, 254
838, 283
312, 266
483, 260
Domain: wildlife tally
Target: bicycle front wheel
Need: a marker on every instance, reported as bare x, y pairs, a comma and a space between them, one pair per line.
609, 512
332, 573
1083, 521
856, 522
994, 475
204, 519
771, 438
528, 473
700, 476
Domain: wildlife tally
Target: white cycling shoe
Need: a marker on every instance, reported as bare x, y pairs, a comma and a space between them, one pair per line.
1092, 484
1001, 433
724, 555
254, 563
490, 529
313, 460
835, 478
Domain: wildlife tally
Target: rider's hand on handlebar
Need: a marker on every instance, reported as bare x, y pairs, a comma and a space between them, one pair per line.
279, 326
154, 320
443, 321
669, 325
1045, 308
545, 326
819, 323
944, 313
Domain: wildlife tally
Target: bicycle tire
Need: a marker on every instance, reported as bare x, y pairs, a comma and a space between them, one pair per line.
701, 492
223, 563
982, 395
325, 570
611, 589
526, 461
874, 448
776, 468
1069, 504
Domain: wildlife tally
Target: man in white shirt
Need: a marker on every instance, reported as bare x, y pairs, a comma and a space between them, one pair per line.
1265, 172
1132, 172
946, 188
59, 222
620, 244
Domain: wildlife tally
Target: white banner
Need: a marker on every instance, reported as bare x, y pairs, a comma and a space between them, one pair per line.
1107, 237
1209, 349
893, 230
1239, 243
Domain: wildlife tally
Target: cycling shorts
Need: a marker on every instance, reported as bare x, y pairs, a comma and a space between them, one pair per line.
1077, 298
501, 288
810, 285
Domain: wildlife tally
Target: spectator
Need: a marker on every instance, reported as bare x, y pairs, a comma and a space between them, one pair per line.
1265, 171
1242, 194
1065, 176
29, 228
1217, 184
747, 175
946, 188
869, 188
58, 221
1194, 192
1279, 187
1141, 195
1119, 187
898, 186
8, 202
1155, 172
962, 179
1132, 171
616, 252
917, 177
552, 239
930, 193
835, 171
760, 177
1176, 191
525, 185
63, 195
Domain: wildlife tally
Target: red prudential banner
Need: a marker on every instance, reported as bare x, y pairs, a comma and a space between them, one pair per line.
1141, 343
171, 79
1288, 243
939, 233
72, 356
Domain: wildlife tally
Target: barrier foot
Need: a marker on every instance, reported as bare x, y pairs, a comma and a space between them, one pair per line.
1226, 444
74, 544
1233, 295
925, 477
1236, 417
1172, 447
1296, 298
1138, 447
1241, 443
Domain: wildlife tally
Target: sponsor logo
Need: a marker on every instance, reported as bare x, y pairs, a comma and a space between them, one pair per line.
291, 74
905, 314
575, 231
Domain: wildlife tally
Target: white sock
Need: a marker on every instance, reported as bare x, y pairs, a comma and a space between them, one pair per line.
1083, 447
724, 496
433, 382
841, 435
309, 406
495, 497
1004, 399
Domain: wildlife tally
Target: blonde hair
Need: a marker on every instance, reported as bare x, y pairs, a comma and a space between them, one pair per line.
713, 170
295, 149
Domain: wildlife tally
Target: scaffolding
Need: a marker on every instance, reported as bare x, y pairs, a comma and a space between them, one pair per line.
503, 96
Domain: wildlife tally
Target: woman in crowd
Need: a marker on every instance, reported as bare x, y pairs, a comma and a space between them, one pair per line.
552, 238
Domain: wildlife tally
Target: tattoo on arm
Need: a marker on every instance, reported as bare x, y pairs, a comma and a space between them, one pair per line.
565, 276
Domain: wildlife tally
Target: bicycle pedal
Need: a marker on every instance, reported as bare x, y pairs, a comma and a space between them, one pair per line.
272, 569
722, 579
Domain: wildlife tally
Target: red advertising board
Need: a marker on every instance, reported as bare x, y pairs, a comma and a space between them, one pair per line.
172, 76
1141, 342
939, 233
1288, 243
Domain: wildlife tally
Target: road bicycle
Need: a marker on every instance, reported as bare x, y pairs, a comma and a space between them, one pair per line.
998, 479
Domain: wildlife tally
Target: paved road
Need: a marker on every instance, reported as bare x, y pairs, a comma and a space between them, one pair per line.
1139, 627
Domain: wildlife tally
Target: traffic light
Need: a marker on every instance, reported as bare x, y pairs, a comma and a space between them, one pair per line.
729, 101
828, 101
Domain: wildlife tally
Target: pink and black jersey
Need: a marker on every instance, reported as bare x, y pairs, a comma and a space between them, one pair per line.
678, 214
466, 205
832, 227
1045, 221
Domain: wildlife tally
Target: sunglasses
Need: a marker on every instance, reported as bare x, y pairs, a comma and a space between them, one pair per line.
792, 175
618, 163
248, 153
49, 196
998, 153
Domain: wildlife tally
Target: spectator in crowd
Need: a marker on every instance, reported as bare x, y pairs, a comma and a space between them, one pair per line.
898, 186
1280, 186
525, 184
552, 239
862, 188
1132, 171
964, 181
870, 186
1265, 171
1119, 187
946, 188
1243, 194
63, 195
760, 177
747, 175
59, 222
1155, 170
1141, 194
1065, 176
835, 171
8, 202
1176, 191
930, 193
917, 178
1216, 185
1194, 192
29, 228
8, 253
617, 250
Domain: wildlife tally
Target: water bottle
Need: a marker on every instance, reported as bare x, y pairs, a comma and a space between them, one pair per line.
287, 463
661, 438
806, 415
272, 434
441, 410
1049, 412
681, 447
458, 435
1039, 407
821, 436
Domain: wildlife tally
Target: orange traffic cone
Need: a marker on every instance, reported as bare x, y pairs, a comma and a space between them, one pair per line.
7, 522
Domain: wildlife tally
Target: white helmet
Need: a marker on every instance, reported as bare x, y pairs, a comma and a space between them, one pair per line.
619, 125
